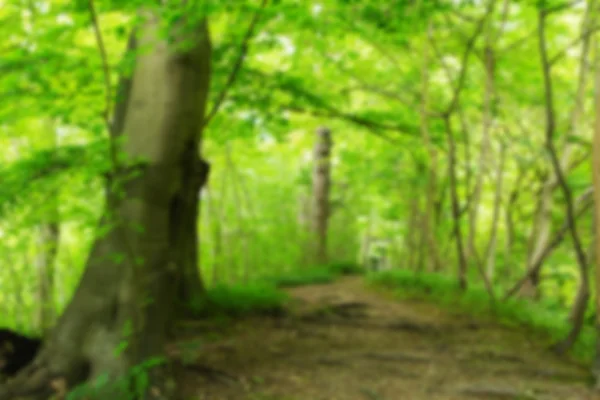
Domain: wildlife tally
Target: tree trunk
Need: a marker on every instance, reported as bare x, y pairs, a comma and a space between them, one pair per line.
303, 218
428, 223
582, 204
365, 248
484, 150
490, 254
544, 215
596, 180
510, 223
584, 292
321, 187
48, 236
460, 249
127, 296
412, 242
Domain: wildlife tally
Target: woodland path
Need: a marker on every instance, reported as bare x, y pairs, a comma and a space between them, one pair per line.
342, 341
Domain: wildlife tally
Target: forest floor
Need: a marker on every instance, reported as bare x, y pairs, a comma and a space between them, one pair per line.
343, 341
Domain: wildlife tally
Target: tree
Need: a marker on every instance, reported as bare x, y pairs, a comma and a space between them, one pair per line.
128, 291
596, 180
321, 181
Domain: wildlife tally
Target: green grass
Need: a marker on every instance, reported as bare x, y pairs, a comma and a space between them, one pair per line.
539, 317
241, 300
309, 276
264, 296
322, 274
345, 268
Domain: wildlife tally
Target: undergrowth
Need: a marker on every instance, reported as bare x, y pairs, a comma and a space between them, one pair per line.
321, 274
540, 317
241, 300
264, 297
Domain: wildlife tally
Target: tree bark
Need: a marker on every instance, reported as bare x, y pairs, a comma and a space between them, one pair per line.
596, 181
47, 251
510, 223
484, 150
582, 204
412, 234
129, 290
321, 188
490, 254
543, 224
48, 236
583, 292
428, 222
460, 249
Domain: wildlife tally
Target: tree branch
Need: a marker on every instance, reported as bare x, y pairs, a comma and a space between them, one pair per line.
237, 66
571, 215
107, 85
559, 7
464, 60
584, 36
373, 126
585, 203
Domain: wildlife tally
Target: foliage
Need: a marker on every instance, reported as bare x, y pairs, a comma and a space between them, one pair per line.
128, 387
241, 300
356, 66
315, 275
542, 318
302, 277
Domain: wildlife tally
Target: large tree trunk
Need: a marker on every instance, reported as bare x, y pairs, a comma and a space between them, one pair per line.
321, 187
128, 292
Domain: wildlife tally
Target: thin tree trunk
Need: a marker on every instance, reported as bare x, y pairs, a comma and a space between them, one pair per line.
583, 292
241, 232
428, 223
510, 224
490, 254
543, 225
413, 233
48, 236
47, 250
460, 250
366, 241
482, 165
217, 218
321, 195
304, 213
582, 204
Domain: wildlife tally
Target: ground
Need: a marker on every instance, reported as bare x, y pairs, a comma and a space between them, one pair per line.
343, 341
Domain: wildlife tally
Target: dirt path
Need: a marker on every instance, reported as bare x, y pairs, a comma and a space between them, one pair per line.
344, 342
